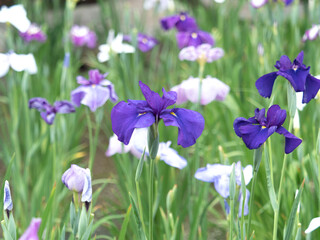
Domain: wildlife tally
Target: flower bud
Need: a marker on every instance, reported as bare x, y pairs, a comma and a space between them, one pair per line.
78, 179
7, 201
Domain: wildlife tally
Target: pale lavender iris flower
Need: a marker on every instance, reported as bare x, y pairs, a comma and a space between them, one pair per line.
83, 36
260, 3
7, 200
34, 33
93, 92
219, 175
78, 179
47, 111
138, 143
212, 89
126, 116
312, 33
201, 53
32, 232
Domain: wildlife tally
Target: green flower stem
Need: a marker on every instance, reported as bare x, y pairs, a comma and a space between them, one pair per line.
251, 200
276, 213
151, 181
140, 205
231, 219
270, 158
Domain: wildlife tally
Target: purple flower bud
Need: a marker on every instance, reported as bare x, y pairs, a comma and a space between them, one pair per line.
33, 33
7, 201
32, 232
78, 179
66, 60
312, 33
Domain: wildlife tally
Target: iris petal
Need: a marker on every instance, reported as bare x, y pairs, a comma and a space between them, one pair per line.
292, 142
276, 116
126, 117
190, 124
311, 89
265, 84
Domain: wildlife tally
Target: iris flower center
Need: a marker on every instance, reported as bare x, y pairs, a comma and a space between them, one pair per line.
295, 67
182, 17
144, 40
194, 35
172, 113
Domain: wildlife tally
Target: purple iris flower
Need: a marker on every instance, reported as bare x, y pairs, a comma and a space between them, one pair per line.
32, 232
296, 73
194, 38
183, 22
78, 179
126, 116
48, 112
256, 130
145, 43
219, 175
93, 92
33, 33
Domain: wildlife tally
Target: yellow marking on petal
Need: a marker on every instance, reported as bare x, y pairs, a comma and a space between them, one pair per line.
144, 40
194, 35
140, 114
93, 85
182, 17
172, 113
295, 67
263, 127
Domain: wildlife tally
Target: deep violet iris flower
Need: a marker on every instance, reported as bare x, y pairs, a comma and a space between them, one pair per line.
296, 73
126, 116
194, 38
183, 22
145, 42
256, 130
93, 92
48, 112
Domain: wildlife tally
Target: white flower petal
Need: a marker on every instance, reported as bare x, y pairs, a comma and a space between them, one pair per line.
15, 15
115, 146
22, 62
314, 224
4, 64
171, 156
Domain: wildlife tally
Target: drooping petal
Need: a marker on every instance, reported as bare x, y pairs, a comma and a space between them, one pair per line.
15, 15
32, 232
171, 156
183, 39
126, 117
188, 53
311, 88
48, 117
190, 124
7, 200
240, 121
246, 203
206, 37
22, 62
314, 224
265, 83
214, 54
86, 195
169, 22
222, 185
4, 64
276, 116
292, 142
64, 107
41, 104
115, 146
211, 172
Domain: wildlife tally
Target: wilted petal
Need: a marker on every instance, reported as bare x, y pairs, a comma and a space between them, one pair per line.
190, 124
7, 200
171, 156
265, 84
32, 232
64, 107
4, 64
292, 142
311, 88
126, 117
314, 224
86, 195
